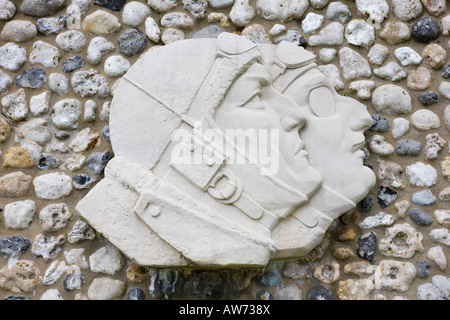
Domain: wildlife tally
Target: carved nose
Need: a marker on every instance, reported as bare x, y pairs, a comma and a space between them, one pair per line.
293, 121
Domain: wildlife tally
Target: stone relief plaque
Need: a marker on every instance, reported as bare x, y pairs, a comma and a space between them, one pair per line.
227, 153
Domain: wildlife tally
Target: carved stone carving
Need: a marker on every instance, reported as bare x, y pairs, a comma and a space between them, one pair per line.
227, 154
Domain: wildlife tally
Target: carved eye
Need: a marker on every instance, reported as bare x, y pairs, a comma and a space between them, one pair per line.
321, 101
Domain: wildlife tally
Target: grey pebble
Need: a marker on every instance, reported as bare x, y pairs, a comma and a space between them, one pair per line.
33, 78
62, 135
168, 283
380, 124
268, 279
132, 42
106, 133
367, 246
386, 196
367, 203
408, 147
48, 161
73, 281
98, 161
14, 246
41, 8
263, 295
423, 198
211, 31
423, 268
429, 98
72, 64
114, 5
319, 293
207, 284
135, 294
446, 72
420, 217
53, 25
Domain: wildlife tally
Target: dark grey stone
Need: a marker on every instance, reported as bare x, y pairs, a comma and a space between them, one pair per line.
135, 294
446, 72
207, 284
425, 30
423, 268
98, 161
167, 283
17, 298
367, 246
13, 246
62, 135
319, 293
114, 5
105, 132
420, 217
72, 64
423, 198
81, 180
41, 8
367, 203
263, 295
268, 279
380, 124
48, 161
408, 147
33, 78
386, 196
427, 99
54, 25
73, 281
132, 42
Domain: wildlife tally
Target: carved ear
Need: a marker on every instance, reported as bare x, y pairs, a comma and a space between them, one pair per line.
321, 102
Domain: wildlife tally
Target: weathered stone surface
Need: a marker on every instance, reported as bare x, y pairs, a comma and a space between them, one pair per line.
52, 186
22, 277
105, 289
47, 247
18, 31
15, 184
401, 241
19, 215
106, 260
54, 216
394, 275
392, 100
101, 22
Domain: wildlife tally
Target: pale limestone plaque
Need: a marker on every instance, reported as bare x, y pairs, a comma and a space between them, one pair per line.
227, 154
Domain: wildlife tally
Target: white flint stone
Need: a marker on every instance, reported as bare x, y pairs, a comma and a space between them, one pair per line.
66, 114
337, 10
437, 255
377, 54
82, 4
47, 247
172, 35
76, 257
104, 113
107, 260
90, 108
402, 207
353, 65
12, 56
7, 9
407, 56
177, 20
363, 88
379, 145
152, 30
59, 147
401, 241
15, 105
52, 186
39, 104
35, 130
360, 33
73, 17
19, 214
406, 10
312, 22
380, 219
71, 41
376, 10
332, 73
391, 71
444, 89
5, 82
282, 10
424, 119
220, 4
391, 99
54, 216
400, 127
277, 29
446, 25
443, 217
394, 275
332, 35
116, 66
58, 83
319, 4
34, 150
214, 17
421, 175
134, 13
242, 13
105, 289
88, 83
75, 164
441, 235
51, 294
98, 46
162, 5
86, 139
54, 272
327, 54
